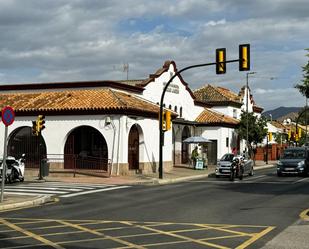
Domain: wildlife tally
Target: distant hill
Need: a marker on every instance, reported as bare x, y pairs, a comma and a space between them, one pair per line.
282, 113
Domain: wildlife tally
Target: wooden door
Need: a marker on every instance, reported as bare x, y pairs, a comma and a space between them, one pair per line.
133, 149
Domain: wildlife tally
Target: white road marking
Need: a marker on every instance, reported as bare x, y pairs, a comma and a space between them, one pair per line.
37, 191
93, 191
300, 180
254, 177
44, 188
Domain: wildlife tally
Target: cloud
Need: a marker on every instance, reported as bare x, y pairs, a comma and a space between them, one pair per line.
63, 40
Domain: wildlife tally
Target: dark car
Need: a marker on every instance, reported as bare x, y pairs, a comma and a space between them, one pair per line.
294, 160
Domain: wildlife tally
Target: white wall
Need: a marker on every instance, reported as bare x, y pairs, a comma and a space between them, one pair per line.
177, 96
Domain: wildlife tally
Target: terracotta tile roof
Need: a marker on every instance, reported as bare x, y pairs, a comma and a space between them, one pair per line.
74, 100
278, 125
212, 117
211, 93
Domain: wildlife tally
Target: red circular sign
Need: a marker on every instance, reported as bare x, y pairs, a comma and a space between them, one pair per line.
8, 115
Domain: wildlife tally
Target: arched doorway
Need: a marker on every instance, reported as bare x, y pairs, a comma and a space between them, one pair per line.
21, 141
184, 146
133, 148
85, 148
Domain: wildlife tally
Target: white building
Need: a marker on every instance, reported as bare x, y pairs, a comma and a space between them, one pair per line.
105, 125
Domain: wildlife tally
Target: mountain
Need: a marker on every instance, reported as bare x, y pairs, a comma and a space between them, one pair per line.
282, 112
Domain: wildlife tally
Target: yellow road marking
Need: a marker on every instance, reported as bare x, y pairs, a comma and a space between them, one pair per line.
100, 234
177, 236
224, 237
225, 230
33, 235
148, 226
255, 238
304, 215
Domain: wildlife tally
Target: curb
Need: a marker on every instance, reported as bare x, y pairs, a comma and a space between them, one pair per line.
39, 200
156, 181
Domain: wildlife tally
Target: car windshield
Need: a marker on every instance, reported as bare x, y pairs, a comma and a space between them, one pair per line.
294, 154
227, 157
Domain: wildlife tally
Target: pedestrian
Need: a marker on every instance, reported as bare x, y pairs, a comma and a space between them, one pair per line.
194, 156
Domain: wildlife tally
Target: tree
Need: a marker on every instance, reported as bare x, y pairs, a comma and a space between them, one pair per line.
257, 129
304, 88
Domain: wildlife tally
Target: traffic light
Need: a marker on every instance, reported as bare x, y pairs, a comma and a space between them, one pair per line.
34, 128
164, 121
220, 61
244, 57
289, 135
270, 136
40, 123
299, 132
168, 120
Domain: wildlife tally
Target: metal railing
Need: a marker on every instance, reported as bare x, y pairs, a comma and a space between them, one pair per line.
73, 163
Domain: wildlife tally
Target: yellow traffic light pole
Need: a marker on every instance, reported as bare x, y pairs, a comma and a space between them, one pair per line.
244, 65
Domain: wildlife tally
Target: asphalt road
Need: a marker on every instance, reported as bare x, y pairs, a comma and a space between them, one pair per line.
206, 213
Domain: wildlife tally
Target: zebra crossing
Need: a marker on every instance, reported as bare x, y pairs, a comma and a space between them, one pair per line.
63, 190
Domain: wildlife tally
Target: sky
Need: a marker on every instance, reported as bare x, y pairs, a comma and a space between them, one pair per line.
76, 40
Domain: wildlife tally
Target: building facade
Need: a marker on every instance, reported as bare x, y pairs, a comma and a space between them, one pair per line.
112, 127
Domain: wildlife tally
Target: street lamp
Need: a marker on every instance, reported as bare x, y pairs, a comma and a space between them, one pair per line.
247, 111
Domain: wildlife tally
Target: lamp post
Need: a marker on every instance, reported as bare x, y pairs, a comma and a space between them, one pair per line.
247, 111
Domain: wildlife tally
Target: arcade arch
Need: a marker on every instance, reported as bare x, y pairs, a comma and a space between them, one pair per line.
21, 141
85, 148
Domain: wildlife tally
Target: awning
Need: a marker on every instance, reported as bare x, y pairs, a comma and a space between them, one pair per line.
196, 140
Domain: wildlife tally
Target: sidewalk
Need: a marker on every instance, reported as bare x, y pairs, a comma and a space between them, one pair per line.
178, 174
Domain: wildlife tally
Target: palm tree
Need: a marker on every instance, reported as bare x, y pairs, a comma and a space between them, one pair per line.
304, 87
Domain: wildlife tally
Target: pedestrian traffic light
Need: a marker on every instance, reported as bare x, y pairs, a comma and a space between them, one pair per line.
40, 123
34, 128
220, 61
244, 57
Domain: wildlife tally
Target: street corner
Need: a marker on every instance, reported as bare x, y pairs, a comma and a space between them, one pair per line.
304, 215
17, 202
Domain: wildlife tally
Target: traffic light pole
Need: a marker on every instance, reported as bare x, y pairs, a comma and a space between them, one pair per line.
161, 132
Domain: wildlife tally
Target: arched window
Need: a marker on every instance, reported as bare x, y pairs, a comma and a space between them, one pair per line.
170, 107
180, 112
175, 108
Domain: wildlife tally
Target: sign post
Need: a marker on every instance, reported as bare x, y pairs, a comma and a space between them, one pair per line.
7, 117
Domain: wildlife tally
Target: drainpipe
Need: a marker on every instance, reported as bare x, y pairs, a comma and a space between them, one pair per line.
119, 131
109, 121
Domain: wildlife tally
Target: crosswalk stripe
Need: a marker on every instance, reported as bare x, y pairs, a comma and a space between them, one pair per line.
45, 188
21, 193
79, 184
94, 191
37, 191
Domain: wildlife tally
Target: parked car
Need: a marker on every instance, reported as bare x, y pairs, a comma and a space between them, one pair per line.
224, 165
294, 160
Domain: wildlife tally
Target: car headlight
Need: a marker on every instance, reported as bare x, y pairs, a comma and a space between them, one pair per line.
279, 163
301, 164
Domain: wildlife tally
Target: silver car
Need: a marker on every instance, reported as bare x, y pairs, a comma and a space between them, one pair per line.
224, 165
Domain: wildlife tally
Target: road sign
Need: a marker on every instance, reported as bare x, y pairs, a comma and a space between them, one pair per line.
8, 115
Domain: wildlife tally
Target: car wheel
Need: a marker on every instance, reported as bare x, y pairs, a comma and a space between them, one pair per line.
279, 174
251, 173
217, 176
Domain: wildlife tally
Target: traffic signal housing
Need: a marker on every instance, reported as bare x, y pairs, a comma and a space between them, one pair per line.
34, 128
244, 57
166, 120
40, 123
220, 61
